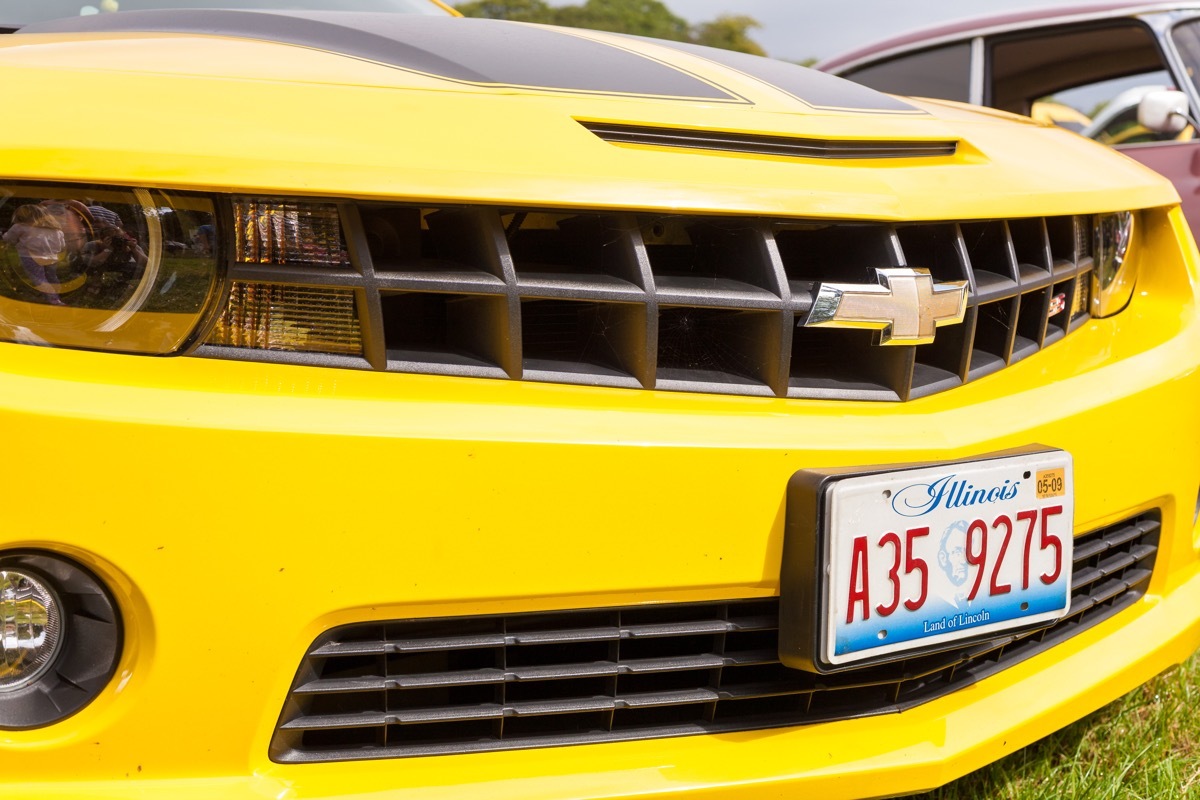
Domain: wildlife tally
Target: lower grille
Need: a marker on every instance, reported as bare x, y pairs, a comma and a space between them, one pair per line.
459, 685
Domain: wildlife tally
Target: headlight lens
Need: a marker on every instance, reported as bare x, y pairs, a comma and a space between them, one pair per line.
1113, 276
131, 270
30, 628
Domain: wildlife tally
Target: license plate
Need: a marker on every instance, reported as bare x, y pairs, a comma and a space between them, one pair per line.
920, 558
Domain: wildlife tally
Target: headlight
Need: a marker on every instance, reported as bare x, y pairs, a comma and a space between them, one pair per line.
1112, 277
60, 638
130, 270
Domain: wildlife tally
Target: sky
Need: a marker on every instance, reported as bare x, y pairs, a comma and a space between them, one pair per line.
799, 29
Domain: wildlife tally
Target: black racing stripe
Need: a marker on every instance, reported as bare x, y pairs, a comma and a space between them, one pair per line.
817, 89
477, 51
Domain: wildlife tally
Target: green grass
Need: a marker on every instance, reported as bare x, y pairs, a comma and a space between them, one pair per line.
1145, 746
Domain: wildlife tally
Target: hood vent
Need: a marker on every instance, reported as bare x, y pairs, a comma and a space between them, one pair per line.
760, 145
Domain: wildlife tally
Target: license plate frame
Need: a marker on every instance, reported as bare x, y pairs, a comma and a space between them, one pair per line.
823, 624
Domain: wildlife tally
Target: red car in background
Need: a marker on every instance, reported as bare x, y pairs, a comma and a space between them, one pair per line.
1122, 74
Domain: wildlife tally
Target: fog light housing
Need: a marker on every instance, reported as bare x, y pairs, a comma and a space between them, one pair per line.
60, 638
30, 628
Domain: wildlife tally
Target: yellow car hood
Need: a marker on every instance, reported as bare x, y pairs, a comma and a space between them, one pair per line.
453, 109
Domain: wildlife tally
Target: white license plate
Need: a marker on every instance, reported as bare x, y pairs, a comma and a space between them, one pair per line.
921, 557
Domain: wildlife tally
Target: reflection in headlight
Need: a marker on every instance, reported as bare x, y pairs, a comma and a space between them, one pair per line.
103, 268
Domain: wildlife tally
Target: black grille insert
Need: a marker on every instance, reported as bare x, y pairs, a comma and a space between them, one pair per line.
677, 302
427, 687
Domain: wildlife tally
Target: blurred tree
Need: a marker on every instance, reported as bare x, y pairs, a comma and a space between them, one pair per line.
638, 17
516, 10
730, 32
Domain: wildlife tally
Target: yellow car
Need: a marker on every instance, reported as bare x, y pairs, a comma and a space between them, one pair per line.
411, 406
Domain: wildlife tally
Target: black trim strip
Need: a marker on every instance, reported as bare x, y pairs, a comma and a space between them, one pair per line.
756, 144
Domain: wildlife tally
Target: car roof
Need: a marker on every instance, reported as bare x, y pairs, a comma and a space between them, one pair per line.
965, 28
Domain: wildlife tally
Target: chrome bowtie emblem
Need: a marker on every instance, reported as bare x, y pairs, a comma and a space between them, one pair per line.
905, 307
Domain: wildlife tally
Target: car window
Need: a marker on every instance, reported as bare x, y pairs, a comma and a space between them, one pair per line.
24, 12
1186, 37
942, 72
1081, 66
1089, 79
1107, 111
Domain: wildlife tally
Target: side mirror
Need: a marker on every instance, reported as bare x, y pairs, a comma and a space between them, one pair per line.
1163, 111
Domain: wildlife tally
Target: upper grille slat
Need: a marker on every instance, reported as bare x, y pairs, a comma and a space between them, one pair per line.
589, 287
661, 699
1129, 533
754, 691
679, 302
565, 636
655, 665
563, 671
407, 646
449, 280
687, 628
337, 721
425, 687
434, 715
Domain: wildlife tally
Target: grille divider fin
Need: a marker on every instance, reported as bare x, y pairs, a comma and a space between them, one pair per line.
960, 247
367, 297
779, 369
614, 650
905, 369
647, 364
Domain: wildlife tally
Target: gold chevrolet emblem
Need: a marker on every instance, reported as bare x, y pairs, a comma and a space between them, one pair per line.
905, 307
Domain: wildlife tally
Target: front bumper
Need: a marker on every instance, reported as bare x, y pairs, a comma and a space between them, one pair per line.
877, 757
239, 510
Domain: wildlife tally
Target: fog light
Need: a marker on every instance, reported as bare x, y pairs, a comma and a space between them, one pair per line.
60, 638
30, 628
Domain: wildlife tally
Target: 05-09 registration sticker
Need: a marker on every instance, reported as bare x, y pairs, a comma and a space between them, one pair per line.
919, 559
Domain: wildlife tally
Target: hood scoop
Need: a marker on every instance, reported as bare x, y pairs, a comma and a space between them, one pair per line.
766, 145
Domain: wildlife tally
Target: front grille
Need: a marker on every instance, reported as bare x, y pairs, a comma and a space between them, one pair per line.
459, 685
671, 302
